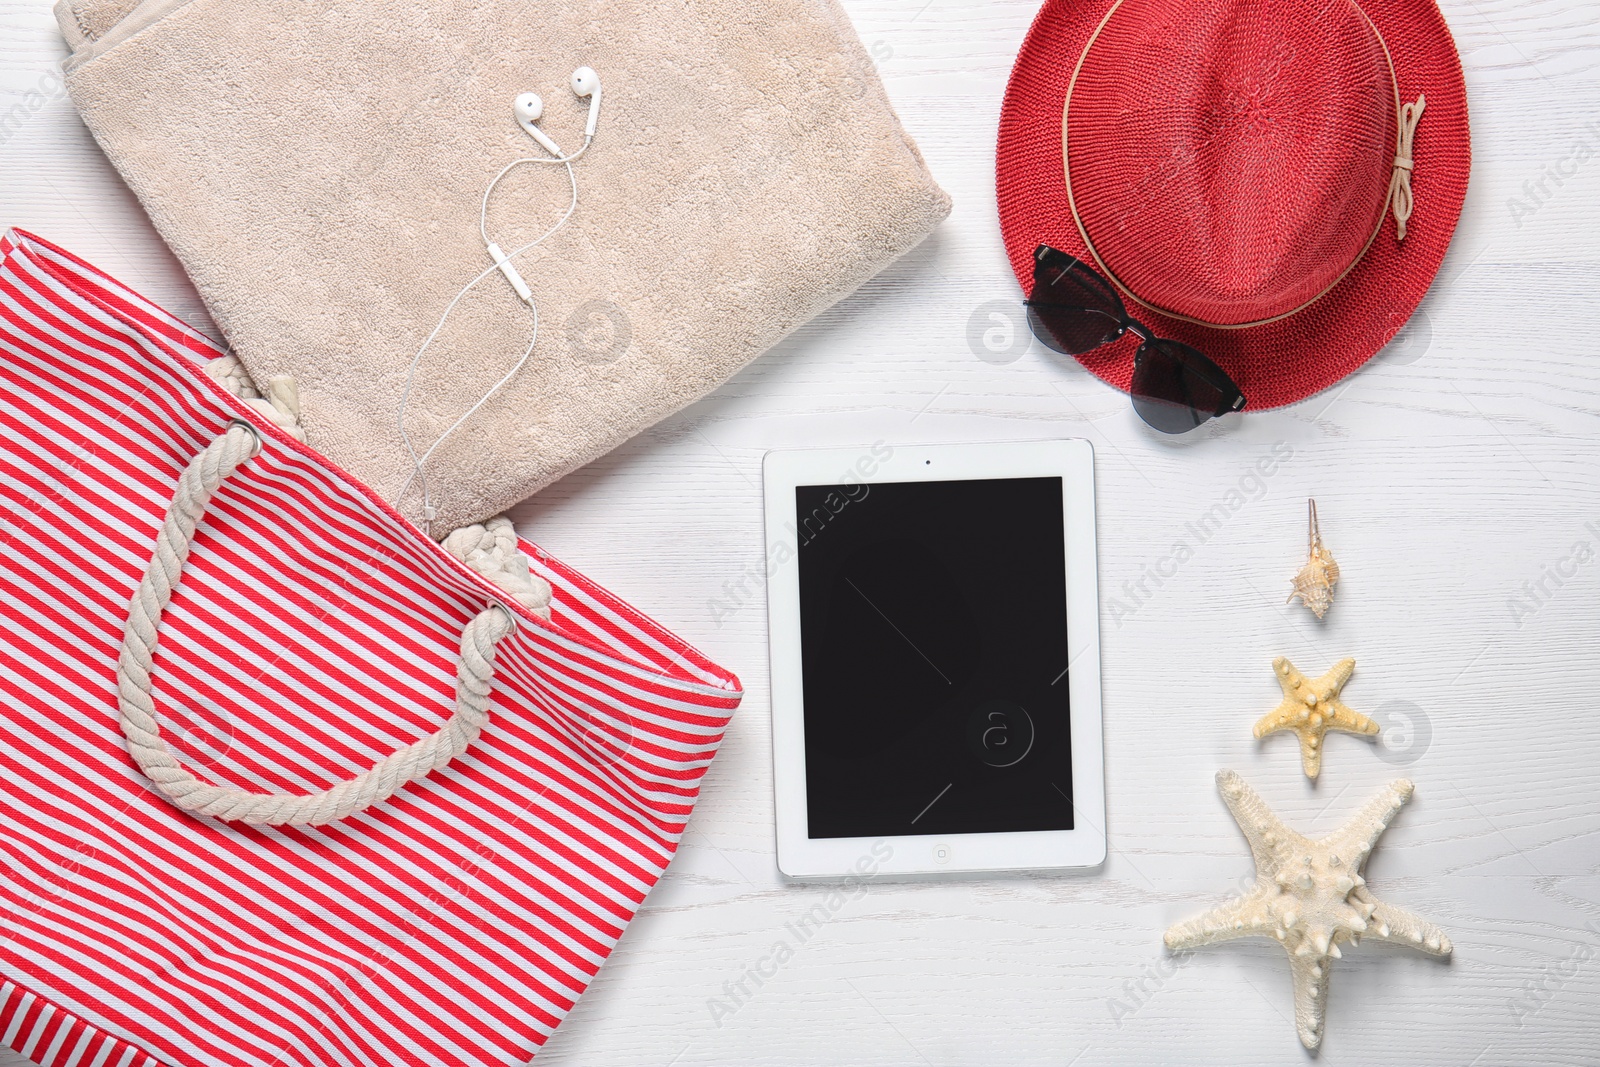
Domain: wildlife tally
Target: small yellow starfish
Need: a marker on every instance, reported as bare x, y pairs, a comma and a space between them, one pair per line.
1311, 709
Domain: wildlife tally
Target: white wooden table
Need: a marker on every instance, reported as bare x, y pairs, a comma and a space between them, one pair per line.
1457, 466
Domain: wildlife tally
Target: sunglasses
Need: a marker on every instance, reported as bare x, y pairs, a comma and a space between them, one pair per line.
1074, 310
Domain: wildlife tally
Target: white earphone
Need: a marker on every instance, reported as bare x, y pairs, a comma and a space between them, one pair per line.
527, 109
585, 82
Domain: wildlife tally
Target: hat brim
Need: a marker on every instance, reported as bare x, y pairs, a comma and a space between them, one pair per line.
1279, 362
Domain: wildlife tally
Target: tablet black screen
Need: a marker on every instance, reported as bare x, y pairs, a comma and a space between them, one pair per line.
934, 657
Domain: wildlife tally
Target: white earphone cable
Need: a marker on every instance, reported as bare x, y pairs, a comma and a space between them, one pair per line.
417, 462
483, 207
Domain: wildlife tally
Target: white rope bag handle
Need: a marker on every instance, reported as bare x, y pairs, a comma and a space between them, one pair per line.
200, 480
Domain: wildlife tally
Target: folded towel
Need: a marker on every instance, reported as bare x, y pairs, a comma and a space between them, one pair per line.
318, 168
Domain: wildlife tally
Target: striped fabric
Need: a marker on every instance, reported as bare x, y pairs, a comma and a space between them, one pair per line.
52, 1037
315, 631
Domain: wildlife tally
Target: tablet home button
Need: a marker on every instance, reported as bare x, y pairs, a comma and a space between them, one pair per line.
941, 853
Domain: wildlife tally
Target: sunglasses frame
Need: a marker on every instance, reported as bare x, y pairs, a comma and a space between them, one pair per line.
1188, 360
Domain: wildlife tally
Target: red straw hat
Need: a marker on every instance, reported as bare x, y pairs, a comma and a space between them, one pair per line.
1274, 182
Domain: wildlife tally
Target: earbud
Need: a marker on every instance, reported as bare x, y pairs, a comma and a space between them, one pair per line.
528, 109
585, 82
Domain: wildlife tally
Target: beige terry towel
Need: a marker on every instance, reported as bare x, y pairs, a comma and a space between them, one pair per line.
318, 167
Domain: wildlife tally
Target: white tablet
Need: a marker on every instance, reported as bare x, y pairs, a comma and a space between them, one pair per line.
935, 654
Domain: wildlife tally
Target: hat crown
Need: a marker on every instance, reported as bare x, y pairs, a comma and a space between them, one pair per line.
1229, 160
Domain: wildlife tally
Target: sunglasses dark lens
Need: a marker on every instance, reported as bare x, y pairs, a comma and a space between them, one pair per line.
1176, 388
1071, 331
1071, 309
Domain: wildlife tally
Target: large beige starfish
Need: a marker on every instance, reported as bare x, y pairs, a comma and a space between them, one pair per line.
1311, 709
1310, 896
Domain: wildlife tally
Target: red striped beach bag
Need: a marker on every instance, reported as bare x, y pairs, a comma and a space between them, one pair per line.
493, 792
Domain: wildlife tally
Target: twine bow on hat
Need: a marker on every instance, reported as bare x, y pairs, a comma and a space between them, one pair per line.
1400, 195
